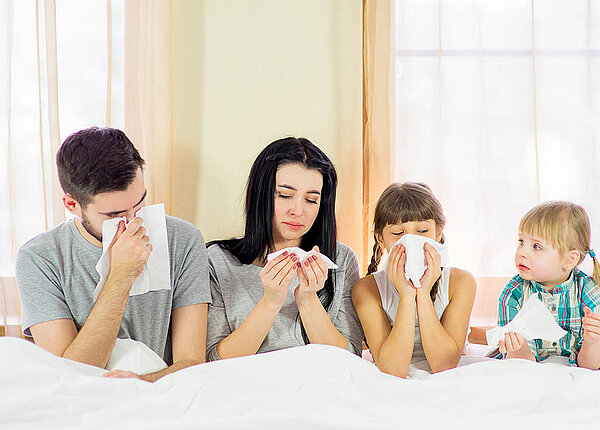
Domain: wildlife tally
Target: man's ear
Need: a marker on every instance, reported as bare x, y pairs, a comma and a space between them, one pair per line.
72, 205
571, 260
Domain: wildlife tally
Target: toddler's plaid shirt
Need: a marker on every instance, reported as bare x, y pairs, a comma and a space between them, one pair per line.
565, 303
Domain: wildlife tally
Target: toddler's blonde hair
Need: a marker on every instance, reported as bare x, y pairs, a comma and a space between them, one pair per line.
565, 225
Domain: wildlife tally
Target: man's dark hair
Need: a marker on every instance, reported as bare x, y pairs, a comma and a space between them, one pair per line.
96, 160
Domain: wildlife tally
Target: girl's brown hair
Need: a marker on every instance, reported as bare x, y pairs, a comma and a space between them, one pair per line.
404, 202
565, 225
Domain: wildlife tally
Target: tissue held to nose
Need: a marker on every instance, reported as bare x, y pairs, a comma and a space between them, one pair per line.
416, 263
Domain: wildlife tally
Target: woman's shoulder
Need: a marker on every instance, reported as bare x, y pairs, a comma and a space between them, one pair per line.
217, 255
345, 254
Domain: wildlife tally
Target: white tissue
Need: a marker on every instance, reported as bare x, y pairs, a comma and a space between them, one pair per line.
302, 255
416, 264
533, 321
156, 275
134, 356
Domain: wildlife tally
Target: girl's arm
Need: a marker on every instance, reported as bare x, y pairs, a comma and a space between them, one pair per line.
443, 341
247, 338
392, 348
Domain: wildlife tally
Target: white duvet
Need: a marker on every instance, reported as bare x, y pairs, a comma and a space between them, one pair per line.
310, 387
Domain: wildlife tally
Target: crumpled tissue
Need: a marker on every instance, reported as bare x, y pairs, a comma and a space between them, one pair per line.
533, 321
134, 356
156, 275
416, 263
302, 255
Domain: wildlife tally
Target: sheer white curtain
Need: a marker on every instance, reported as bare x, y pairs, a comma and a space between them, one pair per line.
497, 108
61, 69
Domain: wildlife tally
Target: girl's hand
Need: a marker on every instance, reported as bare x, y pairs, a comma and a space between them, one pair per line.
276, 276
591, 326
434, 269
396, 272
515, 346
312, 275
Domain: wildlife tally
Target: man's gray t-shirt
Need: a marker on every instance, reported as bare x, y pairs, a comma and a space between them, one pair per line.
236, 289
56, 276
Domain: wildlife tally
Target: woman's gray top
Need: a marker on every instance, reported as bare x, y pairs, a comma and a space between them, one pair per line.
236, 289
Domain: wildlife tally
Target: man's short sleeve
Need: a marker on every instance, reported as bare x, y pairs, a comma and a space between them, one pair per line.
40, 291
191, 285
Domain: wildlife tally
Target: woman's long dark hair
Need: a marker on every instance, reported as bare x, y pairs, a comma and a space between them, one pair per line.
260, 202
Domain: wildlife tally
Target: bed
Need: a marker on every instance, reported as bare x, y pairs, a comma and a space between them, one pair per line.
315, 387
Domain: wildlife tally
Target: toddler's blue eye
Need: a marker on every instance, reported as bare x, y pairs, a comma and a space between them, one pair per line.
537, 247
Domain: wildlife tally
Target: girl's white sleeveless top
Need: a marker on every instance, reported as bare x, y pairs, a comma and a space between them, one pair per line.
389, 302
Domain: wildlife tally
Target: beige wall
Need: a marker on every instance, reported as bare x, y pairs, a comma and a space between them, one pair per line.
249, 72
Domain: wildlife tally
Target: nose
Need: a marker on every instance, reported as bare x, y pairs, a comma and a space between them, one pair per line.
130, 215
522, 251
296, 207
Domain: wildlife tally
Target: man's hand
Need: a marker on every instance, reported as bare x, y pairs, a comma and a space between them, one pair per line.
129, 250
515, 346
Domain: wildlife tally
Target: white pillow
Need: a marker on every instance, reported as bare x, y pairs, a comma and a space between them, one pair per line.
134, 356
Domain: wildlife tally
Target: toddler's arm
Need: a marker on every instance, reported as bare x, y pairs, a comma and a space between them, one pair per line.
589, 355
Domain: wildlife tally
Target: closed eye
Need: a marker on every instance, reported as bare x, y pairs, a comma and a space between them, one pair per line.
398, 234
314, 202
284, 196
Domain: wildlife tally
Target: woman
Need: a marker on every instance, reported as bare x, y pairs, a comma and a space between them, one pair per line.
261, 306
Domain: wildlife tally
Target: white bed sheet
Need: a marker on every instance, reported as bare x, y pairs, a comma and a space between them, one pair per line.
313, 387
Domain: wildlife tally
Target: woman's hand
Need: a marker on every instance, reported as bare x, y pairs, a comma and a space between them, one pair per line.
312, 275
515, 346
396, 272
434, 269
276, 276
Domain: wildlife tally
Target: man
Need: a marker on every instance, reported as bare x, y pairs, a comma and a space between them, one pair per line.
101, 174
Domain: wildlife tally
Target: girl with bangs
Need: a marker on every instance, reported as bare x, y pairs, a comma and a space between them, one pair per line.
425, 326
554, 238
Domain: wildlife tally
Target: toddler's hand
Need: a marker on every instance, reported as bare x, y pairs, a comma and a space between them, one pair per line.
515, 346
591, 326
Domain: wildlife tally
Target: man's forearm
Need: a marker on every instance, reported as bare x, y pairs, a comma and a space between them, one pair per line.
95, 341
